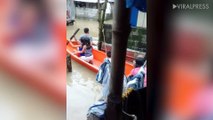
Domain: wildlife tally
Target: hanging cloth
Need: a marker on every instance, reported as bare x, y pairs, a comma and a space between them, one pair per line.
139, 4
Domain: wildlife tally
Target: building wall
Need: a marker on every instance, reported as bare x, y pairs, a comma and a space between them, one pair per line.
137, 39
90, 11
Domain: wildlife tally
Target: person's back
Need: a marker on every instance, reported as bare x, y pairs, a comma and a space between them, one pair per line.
84, 41
86, 35
103, 76
88, 51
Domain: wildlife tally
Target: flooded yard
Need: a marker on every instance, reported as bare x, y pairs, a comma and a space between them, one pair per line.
82, 92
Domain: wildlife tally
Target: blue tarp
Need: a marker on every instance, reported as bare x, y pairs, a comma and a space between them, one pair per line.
134, 17
135, 6
139, 4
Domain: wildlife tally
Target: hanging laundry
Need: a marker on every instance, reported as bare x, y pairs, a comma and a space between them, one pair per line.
139, 4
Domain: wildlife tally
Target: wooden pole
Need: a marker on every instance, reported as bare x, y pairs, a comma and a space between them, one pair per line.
120, 33
69, 63
100, 34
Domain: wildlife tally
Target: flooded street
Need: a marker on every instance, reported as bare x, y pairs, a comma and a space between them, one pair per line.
82, 92
82, 89
81, 23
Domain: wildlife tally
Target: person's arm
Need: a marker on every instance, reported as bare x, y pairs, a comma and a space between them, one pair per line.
82, 51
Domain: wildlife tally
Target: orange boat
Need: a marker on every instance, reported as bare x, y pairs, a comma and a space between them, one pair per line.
99, 57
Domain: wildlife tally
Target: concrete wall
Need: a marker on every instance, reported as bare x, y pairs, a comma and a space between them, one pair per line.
86, 13
90, 11
137, 39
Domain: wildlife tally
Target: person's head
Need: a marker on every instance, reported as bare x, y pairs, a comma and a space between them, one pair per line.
86, 30
109, 54
85, 41
139, 61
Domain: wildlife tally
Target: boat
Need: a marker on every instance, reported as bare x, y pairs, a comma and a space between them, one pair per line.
99, 57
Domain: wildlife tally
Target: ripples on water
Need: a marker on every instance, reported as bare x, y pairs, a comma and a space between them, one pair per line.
77, 78
82, 92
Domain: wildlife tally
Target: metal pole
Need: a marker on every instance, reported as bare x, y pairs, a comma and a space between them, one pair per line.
120, 34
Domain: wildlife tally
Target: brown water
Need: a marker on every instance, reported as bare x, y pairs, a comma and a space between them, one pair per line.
82, 23
82, 89
82, 92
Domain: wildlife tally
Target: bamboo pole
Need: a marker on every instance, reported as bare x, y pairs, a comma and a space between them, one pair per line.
120, 34
101, 19
100, 34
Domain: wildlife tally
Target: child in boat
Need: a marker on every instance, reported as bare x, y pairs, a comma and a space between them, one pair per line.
138, 63
86, 51
84, 39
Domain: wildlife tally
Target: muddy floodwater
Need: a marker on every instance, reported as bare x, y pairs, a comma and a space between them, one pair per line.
82, 89
82, 92
82, 23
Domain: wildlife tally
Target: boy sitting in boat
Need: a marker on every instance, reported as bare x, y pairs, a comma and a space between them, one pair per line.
86, 35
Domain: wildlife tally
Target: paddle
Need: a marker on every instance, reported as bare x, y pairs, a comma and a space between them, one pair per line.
73, 35
69, 62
